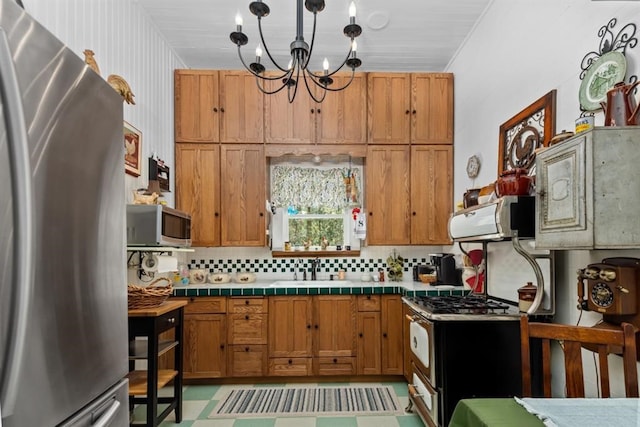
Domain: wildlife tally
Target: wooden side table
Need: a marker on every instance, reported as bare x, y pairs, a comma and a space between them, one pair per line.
144, 384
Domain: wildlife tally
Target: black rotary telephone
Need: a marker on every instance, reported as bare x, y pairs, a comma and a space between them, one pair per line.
611, 286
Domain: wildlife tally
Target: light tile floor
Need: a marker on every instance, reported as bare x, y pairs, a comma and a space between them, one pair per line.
199, 401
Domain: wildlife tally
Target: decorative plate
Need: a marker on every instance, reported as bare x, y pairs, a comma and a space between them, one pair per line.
601, 76
473, 166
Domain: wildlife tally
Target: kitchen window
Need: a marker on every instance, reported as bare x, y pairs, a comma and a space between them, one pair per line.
313, 205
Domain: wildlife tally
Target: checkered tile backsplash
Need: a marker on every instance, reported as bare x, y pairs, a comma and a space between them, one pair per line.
287, 265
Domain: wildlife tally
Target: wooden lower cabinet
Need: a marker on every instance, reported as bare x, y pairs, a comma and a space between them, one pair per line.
205, 346
247, 336
391, 328
334, 334
380, 338
247, 360
293, 335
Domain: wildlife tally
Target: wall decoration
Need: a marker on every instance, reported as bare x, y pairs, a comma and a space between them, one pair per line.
606, 66
121, 86
525, 132
473, 167
132, 150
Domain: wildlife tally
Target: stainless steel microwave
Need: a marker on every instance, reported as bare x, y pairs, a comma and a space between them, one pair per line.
157, 225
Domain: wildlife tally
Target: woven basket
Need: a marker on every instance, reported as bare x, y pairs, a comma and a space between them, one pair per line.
150, 296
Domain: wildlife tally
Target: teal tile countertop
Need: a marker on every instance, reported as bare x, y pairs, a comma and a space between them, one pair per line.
317, 287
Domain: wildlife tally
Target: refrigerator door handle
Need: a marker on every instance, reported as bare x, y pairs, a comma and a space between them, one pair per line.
23, 239
108, 416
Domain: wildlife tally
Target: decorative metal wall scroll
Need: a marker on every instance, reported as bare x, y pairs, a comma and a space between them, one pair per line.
603, 68
528, 130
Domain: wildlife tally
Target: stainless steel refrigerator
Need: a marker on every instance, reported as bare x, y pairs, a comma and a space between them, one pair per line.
63, 302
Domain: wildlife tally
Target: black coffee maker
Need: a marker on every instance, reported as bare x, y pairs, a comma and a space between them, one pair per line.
445, 266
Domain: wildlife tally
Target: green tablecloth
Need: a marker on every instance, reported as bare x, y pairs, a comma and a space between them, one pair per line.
492, 412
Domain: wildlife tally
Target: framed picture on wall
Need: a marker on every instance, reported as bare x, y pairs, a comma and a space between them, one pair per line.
132, 150
524, 133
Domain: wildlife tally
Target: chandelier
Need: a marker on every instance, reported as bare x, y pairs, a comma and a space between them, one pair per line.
297, 69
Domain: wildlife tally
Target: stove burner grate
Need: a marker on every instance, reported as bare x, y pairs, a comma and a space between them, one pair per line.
459, 304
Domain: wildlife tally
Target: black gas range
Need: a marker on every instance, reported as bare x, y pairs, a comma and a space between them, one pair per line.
463, 307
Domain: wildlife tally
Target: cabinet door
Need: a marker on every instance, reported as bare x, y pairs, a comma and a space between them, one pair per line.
391, 325
387, 192
289, 123
342, 116
369, 343
204, 346
432, 108
243, 194
564, 196
290, 320
197, 115
335, 326
241, 108
431, 194
247, 360
198, 190
389, 106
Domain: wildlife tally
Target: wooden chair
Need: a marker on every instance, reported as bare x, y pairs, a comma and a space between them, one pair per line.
573, 338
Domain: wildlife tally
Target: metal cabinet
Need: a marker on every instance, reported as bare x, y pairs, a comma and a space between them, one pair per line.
587, 191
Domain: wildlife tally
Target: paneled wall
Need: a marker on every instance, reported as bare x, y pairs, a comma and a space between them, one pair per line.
127, 44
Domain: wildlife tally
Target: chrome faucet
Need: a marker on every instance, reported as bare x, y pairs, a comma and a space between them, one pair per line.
295, 270
315, 263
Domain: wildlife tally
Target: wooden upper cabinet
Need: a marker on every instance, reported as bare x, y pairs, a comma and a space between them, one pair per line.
432, 108
241, 107
410, 108
218, 106
431, 194
197, 115
387, 194
285, 122
342, 116
243, 172
389, 106
198, 190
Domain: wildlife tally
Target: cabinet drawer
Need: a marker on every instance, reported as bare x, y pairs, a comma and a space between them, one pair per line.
336, 365
368, 302
294, 366
206, 305
248, 328
247, 360
248, 305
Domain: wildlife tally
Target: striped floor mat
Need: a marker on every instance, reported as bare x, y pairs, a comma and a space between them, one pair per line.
314, 401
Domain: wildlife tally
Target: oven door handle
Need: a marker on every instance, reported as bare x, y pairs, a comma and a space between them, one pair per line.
416, 318
413, 392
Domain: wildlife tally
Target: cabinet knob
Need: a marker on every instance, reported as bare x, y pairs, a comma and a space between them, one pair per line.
413, 112
216, 214
261, 213
308, 326
407, 112
246, 349
312, 110
316, 326
384, 335
290, 361
221, 346
335, 360
360, 334
413, 213
246, 302
215, 109
171, 320
192, 299
318, 111
246, 317
222, 110
368, 296
370, 213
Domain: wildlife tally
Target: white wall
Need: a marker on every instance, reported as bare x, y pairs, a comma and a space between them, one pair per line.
519, 51
127, 44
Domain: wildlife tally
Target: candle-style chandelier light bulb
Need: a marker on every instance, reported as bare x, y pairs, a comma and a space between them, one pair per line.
297, 68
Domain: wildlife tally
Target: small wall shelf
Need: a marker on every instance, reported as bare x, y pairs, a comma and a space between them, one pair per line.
158, 249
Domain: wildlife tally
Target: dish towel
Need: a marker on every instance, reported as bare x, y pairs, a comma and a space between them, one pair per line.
360, 229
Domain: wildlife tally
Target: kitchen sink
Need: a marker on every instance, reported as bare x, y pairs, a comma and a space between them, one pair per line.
311, 284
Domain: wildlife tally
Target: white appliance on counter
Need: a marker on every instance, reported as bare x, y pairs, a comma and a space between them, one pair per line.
63, 298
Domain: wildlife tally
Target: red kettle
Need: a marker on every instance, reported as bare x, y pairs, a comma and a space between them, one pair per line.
621, 108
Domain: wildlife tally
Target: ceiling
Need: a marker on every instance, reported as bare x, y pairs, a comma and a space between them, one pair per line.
398, 35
